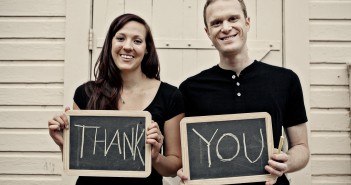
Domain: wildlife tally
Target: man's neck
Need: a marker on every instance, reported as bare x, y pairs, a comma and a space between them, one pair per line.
235, 63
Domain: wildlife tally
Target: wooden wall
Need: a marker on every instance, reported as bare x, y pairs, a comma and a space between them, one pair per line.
32, 37
32, 54
330, 54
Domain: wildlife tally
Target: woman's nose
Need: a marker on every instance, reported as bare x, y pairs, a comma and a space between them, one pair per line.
128, 46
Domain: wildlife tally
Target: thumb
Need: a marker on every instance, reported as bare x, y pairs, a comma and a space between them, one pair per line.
67, 108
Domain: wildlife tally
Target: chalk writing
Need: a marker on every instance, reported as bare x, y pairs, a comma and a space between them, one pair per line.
133, 145
237, 143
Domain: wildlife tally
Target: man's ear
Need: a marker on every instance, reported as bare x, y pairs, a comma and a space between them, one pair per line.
247, 22
206, 30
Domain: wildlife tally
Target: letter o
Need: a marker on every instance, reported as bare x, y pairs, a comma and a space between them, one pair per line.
238, 149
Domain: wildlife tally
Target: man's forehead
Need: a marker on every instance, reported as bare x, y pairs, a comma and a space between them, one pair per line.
224, 8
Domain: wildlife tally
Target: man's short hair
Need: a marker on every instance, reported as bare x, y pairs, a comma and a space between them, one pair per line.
208, 2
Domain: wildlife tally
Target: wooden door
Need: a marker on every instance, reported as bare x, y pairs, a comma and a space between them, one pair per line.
178, 29
182, 44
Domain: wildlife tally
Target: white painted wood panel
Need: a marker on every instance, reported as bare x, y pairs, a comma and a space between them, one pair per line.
37, 27
141, 8
336, 164
329, 97
331, 180
329, 120
30, 180
330, 9
329, 74
32, 163
330, 143
31, 72
32, 50
167, 20
32, 7
32, 45
27, 117
26, 141
31, 94
170, 70
330, 52
323, 30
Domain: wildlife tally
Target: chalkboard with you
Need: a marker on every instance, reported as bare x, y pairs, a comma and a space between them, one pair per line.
226, 149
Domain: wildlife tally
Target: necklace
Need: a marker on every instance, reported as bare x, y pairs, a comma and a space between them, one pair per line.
123, 102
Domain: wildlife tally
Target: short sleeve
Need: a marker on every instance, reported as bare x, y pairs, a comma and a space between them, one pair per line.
175, 104
80, 97
296, 112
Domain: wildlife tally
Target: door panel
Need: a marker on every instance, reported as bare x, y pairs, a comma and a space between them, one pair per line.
180, 39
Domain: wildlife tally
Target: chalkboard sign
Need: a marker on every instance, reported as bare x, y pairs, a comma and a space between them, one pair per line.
107, 143
226, 149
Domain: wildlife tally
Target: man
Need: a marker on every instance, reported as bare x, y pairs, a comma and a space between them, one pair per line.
239, 84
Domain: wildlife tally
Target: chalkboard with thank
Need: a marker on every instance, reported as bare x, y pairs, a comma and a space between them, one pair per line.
107, 143
226, 149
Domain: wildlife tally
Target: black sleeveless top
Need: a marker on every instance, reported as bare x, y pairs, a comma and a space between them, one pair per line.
166, 104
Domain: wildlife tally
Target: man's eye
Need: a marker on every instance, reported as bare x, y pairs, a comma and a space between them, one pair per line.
216, 24
233, 19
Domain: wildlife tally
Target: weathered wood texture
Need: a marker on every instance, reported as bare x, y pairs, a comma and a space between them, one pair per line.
32, 43
330, 46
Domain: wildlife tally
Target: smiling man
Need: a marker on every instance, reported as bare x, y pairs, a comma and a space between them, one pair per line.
239, 84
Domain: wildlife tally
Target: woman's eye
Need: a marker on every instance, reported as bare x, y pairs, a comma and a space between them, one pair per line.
138, 41
119, 38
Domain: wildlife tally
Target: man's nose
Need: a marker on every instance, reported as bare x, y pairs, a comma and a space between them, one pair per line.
226, 26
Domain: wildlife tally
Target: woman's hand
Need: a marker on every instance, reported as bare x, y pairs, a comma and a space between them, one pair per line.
155, 138
56, 126
182, 177
277, 166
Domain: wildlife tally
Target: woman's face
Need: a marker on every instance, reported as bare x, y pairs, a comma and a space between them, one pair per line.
129, 46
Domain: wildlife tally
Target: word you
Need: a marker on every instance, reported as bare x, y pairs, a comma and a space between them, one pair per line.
236, 141
133, 145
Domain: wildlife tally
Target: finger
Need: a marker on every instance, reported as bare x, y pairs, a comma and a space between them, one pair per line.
273, 171
153, 125
153, 131
67, 108
282, 157
59, 120
181, 175
54, 123
54, 128
277, 165
153, 142
271, 181
64, 118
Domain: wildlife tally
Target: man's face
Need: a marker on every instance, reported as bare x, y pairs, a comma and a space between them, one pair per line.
227, 27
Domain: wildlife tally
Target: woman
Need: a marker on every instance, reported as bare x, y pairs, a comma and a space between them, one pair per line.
127, 78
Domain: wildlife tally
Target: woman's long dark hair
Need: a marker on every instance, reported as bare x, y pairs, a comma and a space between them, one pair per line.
104, 92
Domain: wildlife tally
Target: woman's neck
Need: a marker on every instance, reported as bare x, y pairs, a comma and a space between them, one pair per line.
133, 81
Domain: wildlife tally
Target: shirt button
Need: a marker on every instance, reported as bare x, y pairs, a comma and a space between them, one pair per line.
237, 84
239, 94
233, 76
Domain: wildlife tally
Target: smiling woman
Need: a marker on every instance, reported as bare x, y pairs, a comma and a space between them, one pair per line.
129, 47
128, 67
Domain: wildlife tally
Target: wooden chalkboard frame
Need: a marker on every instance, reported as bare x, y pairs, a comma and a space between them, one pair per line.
228, 117
108, 173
